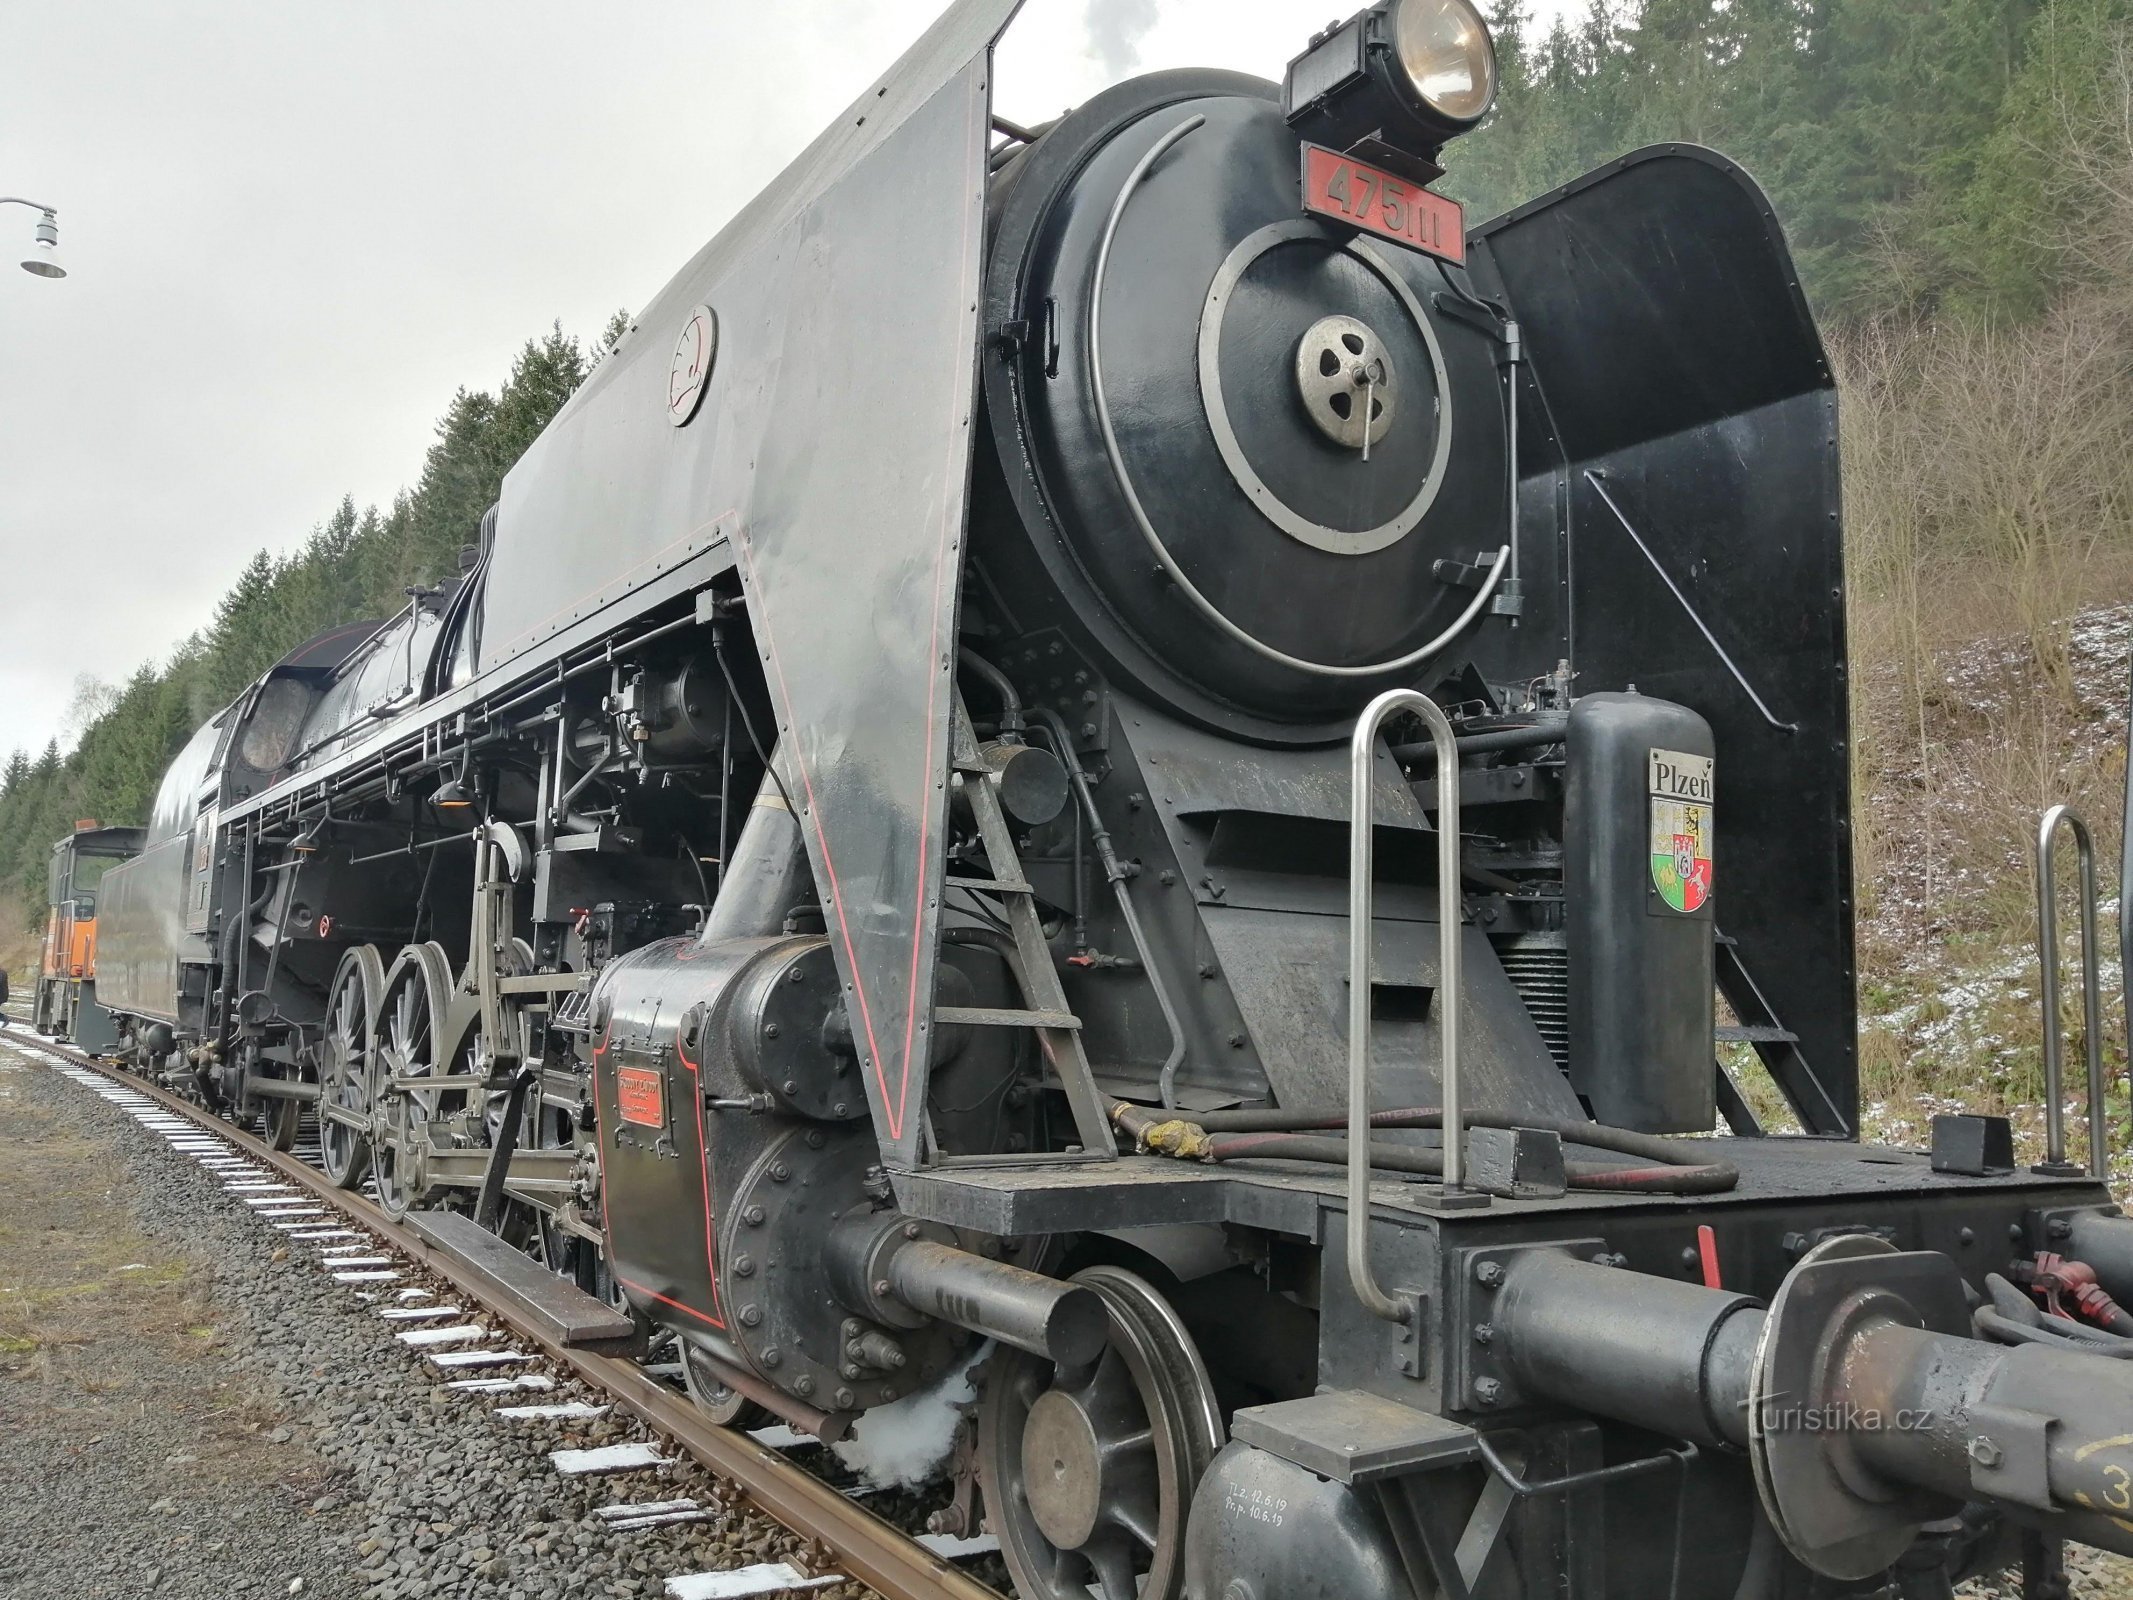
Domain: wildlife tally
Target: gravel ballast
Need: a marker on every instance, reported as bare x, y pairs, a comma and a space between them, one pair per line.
303, 1448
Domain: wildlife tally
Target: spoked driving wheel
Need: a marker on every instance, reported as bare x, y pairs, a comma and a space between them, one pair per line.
344, 1066
403, 1045
1089, 1470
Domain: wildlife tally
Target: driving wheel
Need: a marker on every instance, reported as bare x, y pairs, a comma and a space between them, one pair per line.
1089, 1470
344, 1066
404, 1041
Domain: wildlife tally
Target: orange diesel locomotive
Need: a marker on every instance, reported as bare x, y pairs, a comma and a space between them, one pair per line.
65, 1003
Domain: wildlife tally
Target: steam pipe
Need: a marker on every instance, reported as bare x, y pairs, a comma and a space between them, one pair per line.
1593, 1135
1011, 718
1272, 1136
768, 874
1549, 728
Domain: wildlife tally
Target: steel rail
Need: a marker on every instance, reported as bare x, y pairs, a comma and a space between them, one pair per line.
862, 1545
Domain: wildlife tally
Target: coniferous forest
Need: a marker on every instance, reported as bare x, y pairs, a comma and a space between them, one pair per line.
1956, 177
354, 564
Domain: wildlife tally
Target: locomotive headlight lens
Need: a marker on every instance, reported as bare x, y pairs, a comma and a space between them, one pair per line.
1444, 48
1394, 84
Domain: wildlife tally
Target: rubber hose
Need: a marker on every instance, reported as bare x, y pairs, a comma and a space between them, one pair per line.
2014, 1305
1430, 1163
2002, 1329
1714, 1176
2011, 1303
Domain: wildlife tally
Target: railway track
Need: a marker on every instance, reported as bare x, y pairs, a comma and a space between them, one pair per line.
846, 1538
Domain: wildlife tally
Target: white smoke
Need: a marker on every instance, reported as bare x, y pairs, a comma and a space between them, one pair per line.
901, 1445
1116, 28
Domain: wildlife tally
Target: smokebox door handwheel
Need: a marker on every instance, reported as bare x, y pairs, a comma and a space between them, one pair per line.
1346, 381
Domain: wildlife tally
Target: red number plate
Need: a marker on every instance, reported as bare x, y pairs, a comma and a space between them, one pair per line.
642, 1095
1363, 197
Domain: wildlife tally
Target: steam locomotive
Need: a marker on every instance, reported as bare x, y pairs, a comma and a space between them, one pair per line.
1125, 739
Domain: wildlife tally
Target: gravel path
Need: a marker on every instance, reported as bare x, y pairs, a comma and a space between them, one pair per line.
280, 1439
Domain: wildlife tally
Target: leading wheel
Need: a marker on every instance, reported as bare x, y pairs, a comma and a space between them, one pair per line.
403, 1046
1089, 1470
727, 1407
280, 1118
344, 1066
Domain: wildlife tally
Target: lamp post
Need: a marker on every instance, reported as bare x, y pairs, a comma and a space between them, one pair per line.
43, 258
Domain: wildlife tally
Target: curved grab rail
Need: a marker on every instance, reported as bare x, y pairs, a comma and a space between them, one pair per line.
2091, 994
1164, 561
1362, 762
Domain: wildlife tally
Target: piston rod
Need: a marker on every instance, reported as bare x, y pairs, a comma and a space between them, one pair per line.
1058, 1320
768, 874
888, 1268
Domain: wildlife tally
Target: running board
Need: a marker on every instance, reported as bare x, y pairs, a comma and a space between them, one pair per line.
547, 1304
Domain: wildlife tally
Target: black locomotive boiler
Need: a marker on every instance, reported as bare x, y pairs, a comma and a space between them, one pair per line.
1124, 739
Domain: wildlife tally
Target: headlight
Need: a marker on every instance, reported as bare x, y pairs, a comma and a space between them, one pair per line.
1393, 84
1444, 48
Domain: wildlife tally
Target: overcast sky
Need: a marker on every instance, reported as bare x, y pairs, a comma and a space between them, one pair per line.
292, 231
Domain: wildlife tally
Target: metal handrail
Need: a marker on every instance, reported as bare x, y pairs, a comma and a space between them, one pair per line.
1362, 764
2125, 879
2091, 992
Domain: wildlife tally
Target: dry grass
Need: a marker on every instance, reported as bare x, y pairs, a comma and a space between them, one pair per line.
74, 1271
1949, 981
1989, 499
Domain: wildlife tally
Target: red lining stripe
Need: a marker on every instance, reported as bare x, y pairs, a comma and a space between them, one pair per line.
895, 1110
829, 864
607, 1222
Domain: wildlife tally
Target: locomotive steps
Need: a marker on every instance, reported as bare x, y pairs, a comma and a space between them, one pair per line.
581, 1472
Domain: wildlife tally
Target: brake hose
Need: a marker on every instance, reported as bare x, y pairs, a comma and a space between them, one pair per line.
1285, 1135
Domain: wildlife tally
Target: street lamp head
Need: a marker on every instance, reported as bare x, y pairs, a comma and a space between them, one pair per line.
43, 258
